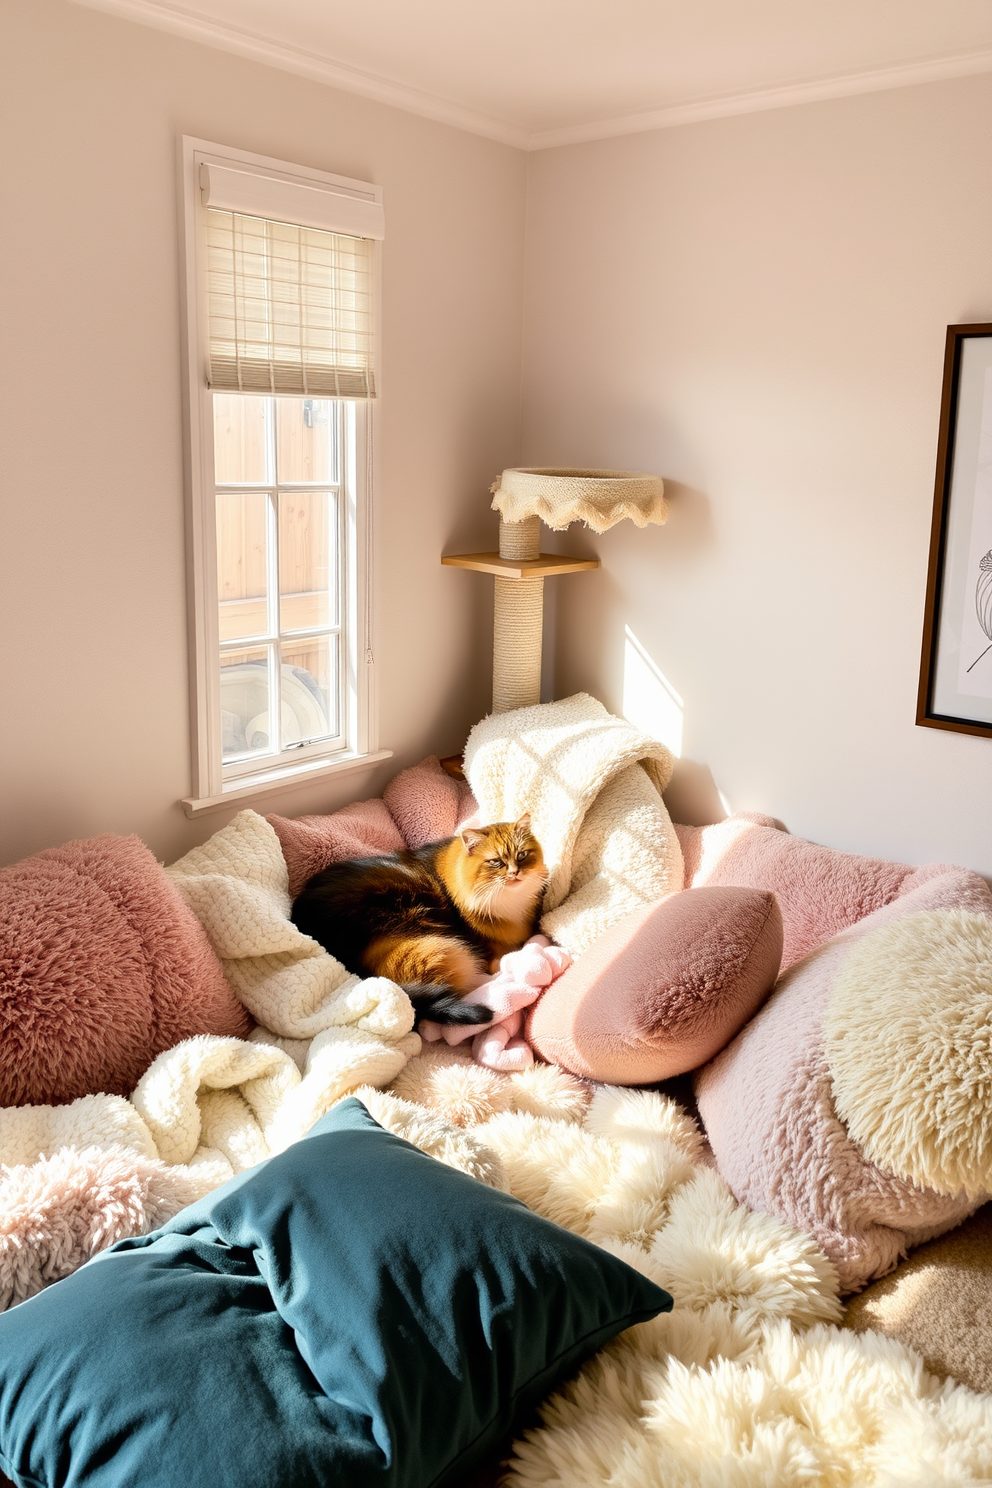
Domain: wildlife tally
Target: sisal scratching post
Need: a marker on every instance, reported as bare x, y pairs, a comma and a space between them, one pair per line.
518, 620
524, 498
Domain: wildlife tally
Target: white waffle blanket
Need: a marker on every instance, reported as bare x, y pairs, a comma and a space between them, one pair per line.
592, 784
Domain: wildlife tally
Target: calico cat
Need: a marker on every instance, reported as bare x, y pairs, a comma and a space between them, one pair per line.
435, 919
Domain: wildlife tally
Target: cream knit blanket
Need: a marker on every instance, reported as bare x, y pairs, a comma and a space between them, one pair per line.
592, 784
76, 1178
237, 885
210, 1107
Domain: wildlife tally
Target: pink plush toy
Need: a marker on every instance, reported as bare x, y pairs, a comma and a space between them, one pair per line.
522, 977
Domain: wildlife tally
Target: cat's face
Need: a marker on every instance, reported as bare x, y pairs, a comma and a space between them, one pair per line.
503, 859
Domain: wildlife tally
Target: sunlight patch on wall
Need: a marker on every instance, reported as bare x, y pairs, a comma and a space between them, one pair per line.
650, 702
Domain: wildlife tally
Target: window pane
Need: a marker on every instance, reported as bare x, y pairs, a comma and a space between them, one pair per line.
242, 540
308, 529
306, 439
310, 689
244, 701
239, 440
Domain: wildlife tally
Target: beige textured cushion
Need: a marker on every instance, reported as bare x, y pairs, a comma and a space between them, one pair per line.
665, 989
940, 1303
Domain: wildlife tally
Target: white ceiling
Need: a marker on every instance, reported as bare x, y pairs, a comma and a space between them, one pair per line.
536, 73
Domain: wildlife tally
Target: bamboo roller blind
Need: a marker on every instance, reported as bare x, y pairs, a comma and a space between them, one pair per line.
289, 309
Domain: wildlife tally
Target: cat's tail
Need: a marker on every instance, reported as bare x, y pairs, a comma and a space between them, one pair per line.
443, 1005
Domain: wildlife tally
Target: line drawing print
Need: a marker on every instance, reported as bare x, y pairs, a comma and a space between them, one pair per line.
983, 602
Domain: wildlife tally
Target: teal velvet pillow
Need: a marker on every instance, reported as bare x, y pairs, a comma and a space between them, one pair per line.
350, 1312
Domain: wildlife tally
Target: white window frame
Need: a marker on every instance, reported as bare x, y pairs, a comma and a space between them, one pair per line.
214, 784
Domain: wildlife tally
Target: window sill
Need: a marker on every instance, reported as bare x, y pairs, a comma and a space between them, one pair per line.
268, 782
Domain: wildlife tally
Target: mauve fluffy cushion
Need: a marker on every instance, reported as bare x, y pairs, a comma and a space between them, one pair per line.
767, 1105
102, 967
664, 990
820, 891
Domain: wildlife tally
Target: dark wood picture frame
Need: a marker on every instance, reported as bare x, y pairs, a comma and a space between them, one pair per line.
926, 713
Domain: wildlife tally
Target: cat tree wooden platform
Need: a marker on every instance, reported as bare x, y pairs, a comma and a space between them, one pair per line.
524, 498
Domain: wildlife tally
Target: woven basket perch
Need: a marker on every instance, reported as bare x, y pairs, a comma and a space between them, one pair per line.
600, 498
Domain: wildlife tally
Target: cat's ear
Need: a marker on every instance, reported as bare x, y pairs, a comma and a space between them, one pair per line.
523, 822
471, 837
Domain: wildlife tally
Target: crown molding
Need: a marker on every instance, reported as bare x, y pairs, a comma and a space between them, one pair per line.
180, 22
165, 16
844, 86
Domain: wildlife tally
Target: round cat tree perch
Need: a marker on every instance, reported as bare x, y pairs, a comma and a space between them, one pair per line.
524, 498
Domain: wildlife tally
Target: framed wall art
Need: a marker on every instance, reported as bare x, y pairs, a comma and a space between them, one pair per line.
956, 668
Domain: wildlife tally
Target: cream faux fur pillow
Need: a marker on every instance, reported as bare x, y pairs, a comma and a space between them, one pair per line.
909, 1045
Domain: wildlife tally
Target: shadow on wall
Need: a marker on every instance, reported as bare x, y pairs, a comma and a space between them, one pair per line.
609, 659
44, 819
689, 531
651, 704
692, 797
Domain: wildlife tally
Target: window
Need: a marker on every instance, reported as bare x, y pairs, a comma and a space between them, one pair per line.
280, 293
282, 589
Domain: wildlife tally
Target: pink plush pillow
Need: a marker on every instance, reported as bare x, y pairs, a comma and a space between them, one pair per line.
767, 1105
662, 991
102, 967
819, 890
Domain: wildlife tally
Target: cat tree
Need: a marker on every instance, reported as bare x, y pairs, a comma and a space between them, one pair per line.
525, 498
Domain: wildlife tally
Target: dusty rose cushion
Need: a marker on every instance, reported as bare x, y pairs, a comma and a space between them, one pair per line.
820, 891
311, 843
767, 1105
102, 967
421, 804
664, 990
427, 804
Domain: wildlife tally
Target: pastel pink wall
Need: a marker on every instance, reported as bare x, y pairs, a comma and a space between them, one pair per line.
93, 674
756, 308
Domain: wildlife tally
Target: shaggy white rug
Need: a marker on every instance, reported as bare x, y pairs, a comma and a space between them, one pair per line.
746, 1383
55, 1214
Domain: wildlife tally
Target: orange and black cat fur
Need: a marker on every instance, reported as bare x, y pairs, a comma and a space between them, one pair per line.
435, 919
